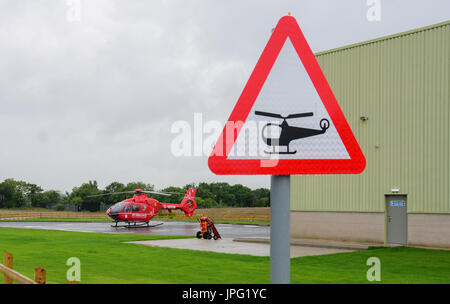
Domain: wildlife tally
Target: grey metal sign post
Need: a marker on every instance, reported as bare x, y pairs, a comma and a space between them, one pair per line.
280, 229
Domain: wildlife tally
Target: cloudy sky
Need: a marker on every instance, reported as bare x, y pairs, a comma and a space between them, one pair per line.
91, 91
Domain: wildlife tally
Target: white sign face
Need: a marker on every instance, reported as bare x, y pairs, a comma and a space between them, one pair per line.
270, 133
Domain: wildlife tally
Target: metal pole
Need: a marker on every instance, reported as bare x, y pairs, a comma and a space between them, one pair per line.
280, 229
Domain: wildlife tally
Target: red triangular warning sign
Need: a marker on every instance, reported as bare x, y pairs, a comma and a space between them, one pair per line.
287, 120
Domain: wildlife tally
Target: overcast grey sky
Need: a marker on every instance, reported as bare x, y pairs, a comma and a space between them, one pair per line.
93, 96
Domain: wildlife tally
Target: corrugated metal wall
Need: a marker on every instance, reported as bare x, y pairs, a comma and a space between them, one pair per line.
401, 83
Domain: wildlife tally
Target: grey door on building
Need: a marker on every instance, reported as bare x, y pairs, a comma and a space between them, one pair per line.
397, 219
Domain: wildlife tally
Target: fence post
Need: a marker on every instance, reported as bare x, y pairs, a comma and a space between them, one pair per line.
39, 275
8, 262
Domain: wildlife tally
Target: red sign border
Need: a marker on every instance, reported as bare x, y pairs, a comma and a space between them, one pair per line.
219, 164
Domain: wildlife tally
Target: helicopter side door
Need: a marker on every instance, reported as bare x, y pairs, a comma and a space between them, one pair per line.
136, 214
126, 213
147, 211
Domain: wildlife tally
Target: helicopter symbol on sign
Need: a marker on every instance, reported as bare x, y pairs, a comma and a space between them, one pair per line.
289, 133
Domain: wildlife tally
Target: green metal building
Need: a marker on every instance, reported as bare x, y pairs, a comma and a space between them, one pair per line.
394, 92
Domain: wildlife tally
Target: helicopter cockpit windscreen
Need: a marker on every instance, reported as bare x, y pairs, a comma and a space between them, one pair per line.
117, 208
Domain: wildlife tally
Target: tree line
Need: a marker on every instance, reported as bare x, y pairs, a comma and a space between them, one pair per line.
20, 194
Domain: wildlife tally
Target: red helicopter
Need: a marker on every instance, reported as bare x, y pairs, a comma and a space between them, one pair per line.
141, 208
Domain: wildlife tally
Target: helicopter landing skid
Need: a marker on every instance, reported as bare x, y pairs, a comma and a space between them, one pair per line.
287, 152
143, 225
280, 152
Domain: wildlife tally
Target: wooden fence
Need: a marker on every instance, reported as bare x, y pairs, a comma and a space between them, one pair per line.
11, 275
260, 215
257, 215
16, 215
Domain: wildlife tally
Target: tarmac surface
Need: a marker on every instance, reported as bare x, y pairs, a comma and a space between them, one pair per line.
168, 228
236, 239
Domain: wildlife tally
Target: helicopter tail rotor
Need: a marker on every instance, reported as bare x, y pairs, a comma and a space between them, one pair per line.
187, 205
324, 124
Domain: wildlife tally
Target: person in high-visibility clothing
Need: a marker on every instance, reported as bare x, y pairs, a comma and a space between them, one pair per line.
207, 229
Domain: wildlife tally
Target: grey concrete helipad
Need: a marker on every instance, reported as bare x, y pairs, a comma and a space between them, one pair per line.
227, 245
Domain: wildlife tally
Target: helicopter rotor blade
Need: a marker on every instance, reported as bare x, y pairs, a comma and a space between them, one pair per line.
156, 192
180, 193
164, 192
274, 115
300, 115
134, 192
105, 194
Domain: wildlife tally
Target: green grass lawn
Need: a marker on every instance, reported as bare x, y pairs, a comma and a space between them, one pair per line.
399, 265
105, 259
